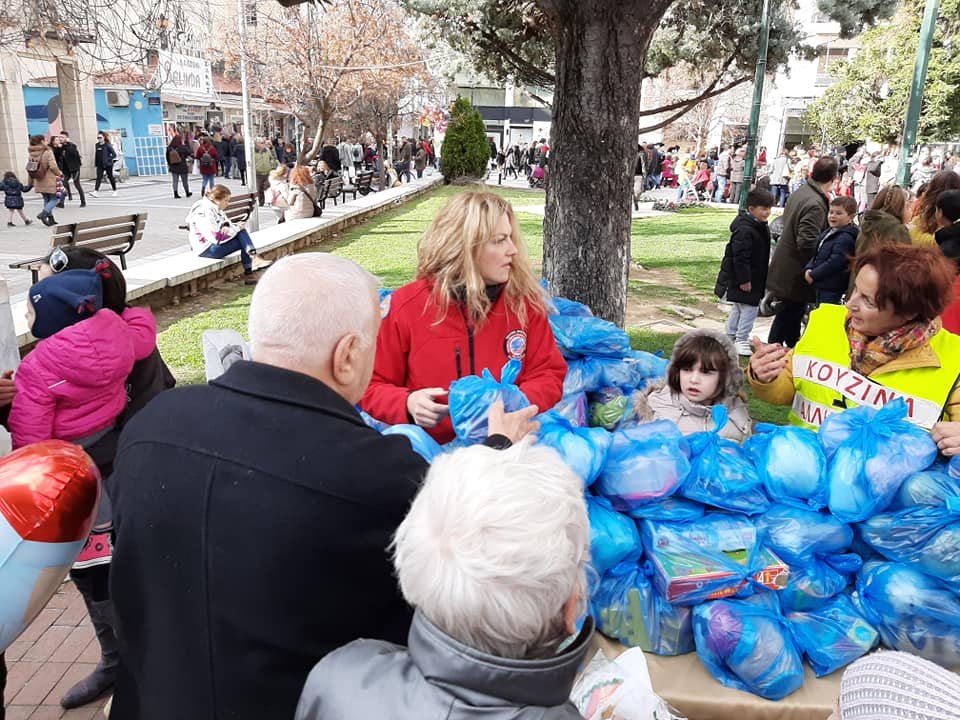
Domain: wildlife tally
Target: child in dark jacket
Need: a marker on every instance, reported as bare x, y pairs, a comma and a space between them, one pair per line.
13, 191
743, 271
829, 268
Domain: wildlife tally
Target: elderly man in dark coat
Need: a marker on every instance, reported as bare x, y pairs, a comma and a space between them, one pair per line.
253, 514
804, 218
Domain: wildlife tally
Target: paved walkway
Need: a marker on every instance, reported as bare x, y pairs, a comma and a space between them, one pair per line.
56, 651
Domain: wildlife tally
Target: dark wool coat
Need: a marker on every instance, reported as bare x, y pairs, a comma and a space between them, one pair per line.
804, 218
746, 259
252, 521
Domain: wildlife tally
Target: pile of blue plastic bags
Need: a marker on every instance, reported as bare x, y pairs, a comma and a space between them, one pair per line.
795, 546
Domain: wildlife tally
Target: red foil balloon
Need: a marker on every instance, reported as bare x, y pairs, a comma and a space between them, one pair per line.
48, 502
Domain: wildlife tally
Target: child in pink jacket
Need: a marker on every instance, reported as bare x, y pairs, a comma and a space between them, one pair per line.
72, 386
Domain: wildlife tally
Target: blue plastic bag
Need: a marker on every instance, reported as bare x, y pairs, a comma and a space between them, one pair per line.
613, 537
930, 487
583, 449
644, 463
721, 473
832, 636
608, 407
371, 421
590, 374
800, 536
627, 608
790, 463
747, 645
813, 585
424, 445
711, 557
472, 396
912, 611
579, 336
573, 408
953, 467
671, 509
870, 453
926, 537
571, 308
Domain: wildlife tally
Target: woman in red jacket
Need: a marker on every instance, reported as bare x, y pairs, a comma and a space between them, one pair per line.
475, 304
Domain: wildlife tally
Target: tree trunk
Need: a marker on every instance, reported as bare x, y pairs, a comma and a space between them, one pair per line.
601, 46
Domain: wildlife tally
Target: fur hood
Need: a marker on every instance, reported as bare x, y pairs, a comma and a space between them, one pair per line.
735, 377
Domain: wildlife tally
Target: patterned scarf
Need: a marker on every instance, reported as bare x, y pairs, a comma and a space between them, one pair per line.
868, 353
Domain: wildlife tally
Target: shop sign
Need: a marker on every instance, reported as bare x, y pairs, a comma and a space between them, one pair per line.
155, 130
184, 75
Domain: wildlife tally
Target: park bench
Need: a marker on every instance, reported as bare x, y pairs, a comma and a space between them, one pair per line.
111, 236
329, 190
362, 185
240, 208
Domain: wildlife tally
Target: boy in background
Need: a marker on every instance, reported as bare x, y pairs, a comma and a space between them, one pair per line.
829, 268
743, 271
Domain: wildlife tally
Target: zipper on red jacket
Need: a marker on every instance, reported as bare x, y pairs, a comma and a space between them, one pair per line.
466, 323
459, 368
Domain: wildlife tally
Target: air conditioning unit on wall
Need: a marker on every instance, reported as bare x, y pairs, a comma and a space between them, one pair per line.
118, 98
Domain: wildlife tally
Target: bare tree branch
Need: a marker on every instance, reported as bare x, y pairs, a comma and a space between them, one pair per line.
688, 104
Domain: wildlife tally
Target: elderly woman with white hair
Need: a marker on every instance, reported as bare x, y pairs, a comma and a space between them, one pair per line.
493, 555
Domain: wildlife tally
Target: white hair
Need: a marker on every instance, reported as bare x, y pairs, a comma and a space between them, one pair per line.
494, 545
304, 304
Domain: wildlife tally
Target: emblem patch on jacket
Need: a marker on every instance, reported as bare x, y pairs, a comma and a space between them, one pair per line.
515, 344
385, 306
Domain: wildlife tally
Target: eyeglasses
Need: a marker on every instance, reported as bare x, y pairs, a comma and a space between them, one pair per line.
58, 260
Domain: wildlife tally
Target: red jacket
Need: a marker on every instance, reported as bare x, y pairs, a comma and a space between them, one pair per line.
212, 170
951, 316
414, 353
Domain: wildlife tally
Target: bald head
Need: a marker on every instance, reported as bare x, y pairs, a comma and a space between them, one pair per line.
317, 314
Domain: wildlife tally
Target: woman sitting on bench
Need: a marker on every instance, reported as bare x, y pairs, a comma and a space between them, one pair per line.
214, 235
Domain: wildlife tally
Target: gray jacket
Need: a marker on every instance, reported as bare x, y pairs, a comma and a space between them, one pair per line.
804, 218
439, 678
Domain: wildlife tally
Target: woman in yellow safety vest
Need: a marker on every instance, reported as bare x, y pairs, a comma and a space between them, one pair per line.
887, 342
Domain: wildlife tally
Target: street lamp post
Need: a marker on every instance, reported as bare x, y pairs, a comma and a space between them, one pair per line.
749, 170
253, 221
916, 91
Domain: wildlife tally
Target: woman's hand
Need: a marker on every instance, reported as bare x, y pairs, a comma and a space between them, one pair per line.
7, 388
947, 437
767, 361
425, 412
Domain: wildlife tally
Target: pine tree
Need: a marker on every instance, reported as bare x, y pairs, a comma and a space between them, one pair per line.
465, 151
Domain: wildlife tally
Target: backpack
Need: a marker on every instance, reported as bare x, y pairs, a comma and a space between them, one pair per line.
206, 160
34, 170
174, 158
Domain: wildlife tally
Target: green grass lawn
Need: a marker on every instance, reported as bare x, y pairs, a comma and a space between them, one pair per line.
690, 242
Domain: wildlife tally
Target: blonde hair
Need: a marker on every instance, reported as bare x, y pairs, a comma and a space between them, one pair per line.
449, 253
218, 193
278, 172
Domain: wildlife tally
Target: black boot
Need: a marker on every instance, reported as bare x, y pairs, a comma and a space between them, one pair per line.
100, 681
176, 196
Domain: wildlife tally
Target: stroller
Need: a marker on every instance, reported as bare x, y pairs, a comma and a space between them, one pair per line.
538, 178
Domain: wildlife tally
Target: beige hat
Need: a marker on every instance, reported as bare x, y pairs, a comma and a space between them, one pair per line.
894, 685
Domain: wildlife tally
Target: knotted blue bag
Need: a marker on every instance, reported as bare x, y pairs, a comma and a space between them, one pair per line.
424, 445
721, 473
614, 538
870, 453
747, 645
913, 612
580, 336
790, 463
584, 449
628, 608
645, 463
832, 636
472, 396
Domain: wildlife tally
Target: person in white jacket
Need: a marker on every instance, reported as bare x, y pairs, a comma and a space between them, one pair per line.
213, 235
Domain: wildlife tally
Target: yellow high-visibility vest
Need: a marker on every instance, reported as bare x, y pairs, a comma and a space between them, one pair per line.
825, 384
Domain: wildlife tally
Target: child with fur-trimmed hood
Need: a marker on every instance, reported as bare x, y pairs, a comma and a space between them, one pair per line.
704, 371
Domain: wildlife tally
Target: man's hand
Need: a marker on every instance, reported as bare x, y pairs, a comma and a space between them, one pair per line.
746, 287
767, 361
425, 412
947, 437
514, 425
808, 276
7, 388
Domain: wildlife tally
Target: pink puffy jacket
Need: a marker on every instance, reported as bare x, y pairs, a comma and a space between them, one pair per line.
73, 383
